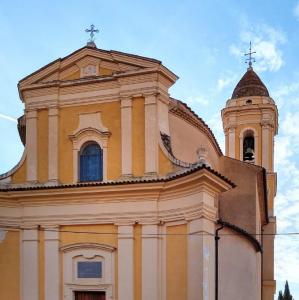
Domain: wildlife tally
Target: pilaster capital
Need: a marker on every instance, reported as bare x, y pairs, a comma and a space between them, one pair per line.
31, 114
150, 98
126, 231
163, 98
53, 111
120, 223
126, 102
51, 232
149, 222
231, 127
267, 124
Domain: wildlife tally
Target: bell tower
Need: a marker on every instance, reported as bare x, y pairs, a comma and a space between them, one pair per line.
250, 122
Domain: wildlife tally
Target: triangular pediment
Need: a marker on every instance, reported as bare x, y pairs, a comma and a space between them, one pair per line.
89, 61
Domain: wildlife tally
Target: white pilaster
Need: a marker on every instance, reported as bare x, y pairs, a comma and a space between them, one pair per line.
53, 144
51, 263
31, 145
201, 260
150, 135
265, 146
231, 142
163, 256
126, 136
30, 284
125, 262
150, 262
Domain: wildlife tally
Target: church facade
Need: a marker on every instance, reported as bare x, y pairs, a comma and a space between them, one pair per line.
124, 193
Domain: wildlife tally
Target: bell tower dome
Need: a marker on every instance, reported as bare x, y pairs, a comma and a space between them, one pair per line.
250, 122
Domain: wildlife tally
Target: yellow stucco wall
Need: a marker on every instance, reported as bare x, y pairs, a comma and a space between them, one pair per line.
165, 166
9, 266
69, 121
75, 75
103, 234
137, 262
176, 262
20, 175
104, 71
138, 136
42, 145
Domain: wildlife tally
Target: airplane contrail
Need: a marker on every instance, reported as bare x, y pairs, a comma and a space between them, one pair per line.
8, 118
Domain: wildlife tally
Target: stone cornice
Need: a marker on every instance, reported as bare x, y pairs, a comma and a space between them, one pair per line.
144, 65
180, 199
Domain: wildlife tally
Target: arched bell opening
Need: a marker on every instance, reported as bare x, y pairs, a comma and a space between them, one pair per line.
248, 146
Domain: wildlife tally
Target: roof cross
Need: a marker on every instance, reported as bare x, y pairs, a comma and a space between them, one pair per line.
250, 59
91, 32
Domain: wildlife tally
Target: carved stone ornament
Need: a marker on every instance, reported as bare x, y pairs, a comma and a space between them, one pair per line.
90, 70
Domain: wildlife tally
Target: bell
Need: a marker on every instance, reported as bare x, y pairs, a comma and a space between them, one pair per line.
248, 154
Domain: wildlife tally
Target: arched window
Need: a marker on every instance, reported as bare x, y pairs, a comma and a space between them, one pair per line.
91, 162
248, 146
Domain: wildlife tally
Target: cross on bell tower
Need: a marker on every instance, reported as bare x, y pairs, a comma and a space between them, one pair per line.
92, 30
250, 59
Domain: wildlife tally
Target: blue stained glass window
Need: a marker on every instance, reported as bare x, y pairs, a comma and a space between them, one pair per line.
89, 269
91, 163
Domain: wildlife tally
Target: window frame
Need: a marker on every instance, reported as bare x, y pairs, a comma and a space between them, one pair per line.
101, 165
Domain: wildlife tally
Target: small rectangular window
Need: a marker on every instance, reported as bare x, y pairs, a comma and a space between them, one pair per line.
89, 269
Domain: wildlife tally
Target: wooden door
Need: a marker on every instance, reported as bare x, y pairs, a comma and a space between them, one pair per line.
90, 295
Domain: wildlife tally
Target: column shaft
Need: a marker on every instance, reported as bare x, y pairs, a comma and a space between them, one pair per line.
53, 144
266, 147
150, 135
232, 142
52, 264
30, 257
126, 136
125, 262
150, 262
201, 260
31, 145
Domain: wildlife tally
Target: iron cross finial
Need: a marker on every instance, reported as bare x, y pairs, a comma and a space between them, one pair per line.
250, 59
91, 32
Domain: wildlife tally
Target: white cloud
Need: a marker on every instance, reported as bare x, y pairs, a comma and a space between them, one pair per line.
287, 200
265, 41
224, 82
287, 92
2, 116
296, 11
290, 124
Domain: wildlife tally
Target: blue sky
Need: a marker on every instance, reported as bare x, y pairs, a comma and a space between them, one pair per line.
201, 41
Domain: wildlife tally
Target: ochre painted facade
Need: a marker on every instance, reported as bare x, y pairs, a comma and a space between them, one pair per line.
150, 221
10, 266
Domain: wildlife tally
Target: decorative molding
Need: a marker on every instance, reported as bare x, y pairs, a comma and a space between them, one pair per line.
76, 246
71, 282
